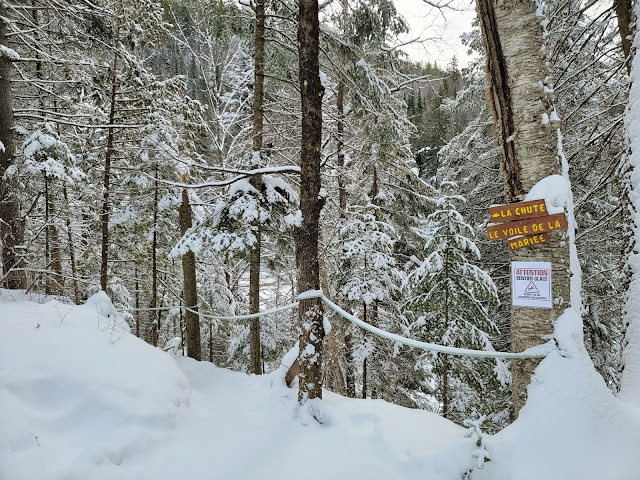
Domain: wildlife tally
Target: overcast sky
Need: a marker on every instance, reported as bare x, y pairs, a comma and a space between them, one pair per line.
440, 30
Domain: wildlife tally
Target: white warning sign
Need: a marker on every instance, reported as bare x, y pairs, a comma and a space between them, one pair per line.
531, 284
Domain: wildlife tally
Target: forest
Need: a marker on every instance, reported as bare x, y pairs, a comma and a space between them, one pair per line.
205, 161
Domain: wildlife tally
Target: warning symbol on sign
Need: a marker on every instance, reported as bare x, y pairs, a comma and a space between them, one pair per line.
531, 288
531, 284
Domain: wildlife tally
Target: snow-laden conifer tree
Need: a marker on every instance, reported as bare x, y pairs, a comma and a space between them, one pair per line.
449, 307
45, 172
230, 228
370, 281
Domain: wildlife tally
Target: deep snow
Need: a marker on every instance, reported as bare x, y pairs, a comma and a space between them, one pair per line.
82, 398
630, 379
105, 405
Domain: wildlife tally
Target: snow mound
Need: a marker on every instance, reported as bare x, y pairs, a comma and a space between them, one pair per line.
80, 396
554, 190
105, 310
572, 425
629, 383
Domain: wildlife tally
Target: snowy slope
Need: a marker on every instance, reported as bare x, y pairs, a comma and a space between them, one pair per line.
83, 399
79, 393
105, 405
630, 380
572, 426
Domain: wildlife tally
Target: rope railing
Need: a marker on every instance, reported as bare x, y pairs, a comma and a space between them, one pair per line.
539, 351
217, 317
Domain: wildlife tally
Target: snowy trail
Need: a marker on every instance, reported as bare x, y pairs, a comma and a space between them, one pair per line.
104, 405
83, 399
246, 427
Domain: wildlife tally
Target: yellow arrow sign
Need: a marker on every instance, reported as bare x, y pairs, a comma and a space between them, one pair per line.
518, 211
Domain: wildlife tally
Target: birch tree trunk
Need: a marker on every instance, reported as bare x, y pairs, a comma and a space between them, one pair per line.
11, 230
517, 72
310, 313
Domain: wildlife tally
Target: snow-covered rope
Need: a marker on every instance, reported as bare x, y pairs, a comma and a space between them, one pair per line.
539, 351
218, 317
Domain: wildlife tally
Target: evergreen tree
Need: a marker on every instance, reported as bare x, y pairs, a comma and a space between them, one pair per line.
450, 307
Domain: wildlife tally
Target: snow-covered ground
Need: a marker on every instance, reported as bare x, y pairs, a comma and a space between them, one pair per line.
82, 398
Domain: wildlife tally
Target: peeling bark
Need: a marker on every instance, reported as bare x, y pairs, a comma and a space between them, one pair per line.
500, 98
516, 71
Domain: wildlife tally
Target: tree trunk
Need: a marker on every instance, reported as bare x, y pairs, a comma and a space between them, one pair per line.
364, 378
624, 12
182, 332
258, 77
365, 370
342, 191
333, 374
155, 315
57, 280
104, 217
375, 366
516, 65
350, 370
630, 360
310, 313
11, 229
334, 378
445, 386
190, 291
136, 315
54, 284
255, 363
72, 252
47, 253
54, 281
374, 309
445, 360
211, 341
